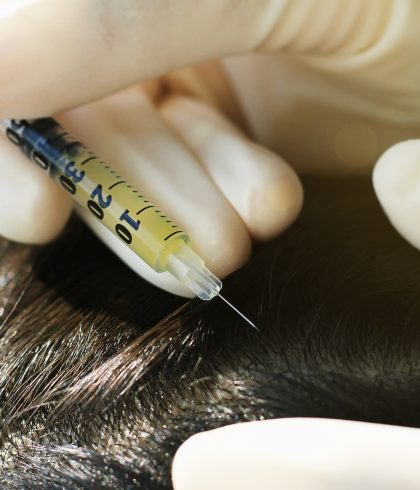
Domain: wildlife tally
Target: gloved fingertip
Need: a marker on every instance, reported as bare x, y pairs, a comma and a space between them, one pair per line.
33, 209
396, 180
276, 200
37, 218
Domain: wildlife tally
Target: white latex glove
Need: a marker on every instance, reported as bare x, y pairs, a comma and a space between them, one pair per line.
334, 83
300, 454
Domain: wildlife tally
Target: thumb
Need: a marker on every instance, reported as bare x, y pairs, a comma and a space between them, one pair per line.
58, 54
396, 179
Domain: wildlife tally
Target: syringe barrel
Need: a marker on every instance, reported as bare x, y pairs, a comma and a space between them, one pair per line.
98, 188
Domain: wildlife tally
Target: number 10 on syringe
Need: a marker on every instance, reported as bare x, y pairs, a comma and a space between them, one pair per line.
114, 202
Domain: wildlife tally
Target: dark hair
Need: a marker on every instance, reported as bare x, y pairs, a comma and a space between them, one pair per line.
103, 376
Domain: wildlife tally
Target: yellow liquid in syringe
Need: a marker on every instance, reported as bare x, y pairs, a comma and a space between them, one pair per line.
98, 188
115, 203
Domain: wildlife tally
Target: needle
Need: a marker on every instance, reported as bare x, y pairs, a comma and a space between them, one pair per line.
238, 312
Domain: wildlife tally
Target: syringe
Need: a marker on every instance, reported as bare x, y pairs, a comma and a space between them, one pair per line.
115, 203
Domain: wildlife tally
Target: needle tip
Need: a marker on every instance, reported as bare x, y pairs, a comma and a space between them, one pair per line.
239, 313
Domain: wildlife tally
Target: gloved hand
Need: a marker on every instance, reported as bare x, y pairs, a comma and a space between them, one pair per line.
329, 84
334, 84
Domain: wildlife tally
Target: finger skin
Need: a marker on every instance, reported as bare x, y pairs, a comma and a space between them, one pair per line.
300, 454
